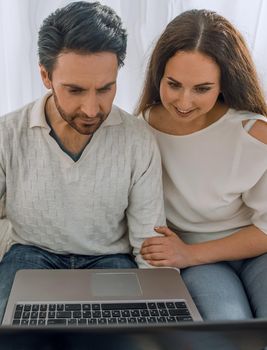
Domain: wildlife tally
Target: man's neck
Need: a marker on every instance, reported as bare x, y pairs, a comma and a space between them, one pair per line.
71, 139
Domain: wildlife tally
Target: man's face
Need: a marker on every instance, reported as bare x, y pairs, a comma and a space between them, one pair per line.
84, 87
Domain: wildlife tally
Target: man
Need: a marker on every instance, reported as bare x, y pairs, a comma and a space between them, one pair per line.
80, 177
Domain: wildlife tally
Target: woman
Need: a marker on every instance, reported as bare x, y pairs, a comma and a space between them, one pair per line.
203, 103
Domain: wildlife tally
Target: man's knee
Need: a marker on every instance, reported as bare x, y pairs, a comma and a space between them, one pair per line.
116, 261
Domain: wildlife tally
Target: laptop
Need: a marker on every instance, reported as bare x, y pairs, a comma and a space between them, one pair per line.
231, 335
105, 297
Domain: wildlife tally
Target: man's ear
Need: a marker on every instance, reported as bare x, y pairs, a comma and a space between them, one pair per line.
45, 77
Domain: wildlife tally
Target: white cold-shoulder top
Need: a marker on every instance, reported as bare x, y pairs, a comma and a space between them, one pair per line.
215, 179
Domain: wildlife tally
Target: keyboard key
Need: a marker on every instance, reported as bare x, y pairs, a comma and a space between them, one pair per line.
154, 313
60, 307
125, 313
184, 318
116, 313
144, 313
73, 307
77, 314
161, 319
41, 322
163, 312
122, 320
124, 306
152, 305
141, 320
63, 314
92, 321
27, 308
35, 307
102, 321
34, 314
52, 307
18, 314
135, 313
87, 314
161, 305
170, 305
51, 314
19, 307
132, 320
73, 322
82, 321
24, 322
56, 322
86, 307
16, 322
112, 320
43, 307
180, 304
151, 320
178, 312
106, 313
26, 314
33, 322
96, 307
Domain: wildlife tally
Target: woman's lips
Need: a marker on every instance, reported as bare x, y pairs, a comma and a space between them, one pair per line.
183, 113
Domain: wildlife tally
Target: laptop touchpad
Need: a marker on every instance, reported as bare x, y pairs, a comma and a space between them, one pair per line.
115, 284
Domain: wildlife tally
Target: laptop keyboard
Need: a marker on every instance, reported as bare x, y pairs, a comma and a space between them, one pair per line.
93, 314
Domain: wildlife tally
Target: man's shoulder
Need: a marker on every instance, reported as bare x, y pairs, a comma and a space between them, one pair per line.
132, 123
17, 117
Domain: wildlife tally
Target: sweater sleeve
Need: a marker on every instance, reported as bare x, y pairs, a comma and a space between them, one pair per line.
256, 199
2, 172
5, 225
146, 208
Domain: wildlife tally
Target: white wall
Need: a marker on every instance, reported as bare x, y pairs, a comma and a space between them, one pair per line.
144, 19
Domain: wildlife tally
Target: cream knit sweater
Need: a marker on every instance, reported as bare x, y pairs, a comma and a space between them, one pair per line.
105, 203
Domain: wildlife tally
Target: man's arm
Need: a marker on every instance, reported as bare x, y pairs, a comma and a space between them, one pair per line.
5, 225
5, 229
146, 207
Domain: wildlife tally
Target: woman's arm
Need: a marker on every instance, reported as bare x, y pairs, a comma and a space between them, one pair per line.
170, 250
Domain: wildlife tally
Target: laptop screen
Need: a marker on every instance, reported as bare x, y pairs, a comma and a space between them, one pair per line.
233, 335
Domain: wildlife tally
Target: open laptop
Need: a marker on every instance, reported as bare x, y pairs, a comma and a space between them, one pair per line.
231, 335
109, 297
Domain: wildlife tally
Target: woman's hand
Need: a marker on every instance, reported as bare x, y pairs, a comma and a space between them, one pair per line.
168, 250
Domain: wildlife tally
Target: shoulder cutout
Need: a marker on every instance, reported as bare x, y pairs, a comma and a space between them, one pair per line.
259, 130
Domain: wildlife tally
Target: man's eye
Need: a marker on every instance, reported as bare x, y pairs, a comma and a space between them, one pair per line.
105, 89
73, 91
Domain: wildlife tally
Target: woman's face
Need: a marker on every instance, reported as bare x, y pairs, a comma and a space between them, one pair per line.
190, 86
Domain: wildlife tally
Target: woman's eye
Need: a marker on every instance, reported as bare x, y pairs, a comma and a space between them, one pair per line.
202, 90
173, 85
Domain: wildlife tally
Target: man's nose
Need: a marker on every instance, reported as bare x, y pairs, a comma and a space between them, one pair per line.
90, 105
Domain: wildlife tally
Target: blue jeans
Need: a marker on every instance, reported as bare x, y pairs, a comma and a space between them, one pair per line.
229, 290
31, 257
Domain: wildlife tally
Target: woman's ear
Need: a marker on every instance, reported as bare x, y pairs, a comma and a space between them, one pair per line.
45, 77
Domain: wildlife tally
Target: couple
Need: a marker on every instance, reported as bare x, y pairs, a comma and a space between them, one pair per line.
80, 179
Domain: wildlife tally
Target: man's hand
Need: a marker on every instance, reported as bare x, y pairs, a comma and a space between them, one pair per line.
168, 250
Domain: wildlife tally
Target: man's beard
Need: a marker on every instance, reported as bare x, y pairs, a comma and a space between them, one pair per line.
87, 126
